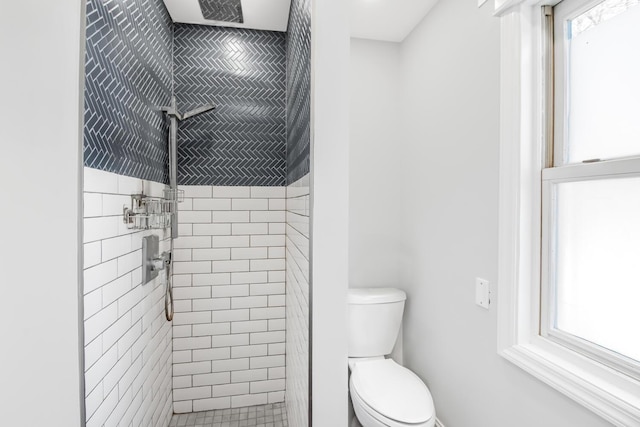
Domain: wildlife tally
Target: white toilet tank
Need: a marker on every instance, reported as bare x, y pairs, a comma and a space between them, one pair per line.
375, 316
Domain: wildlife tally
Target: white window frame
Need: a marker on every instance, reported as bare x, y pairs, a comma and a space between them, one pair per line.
605, 391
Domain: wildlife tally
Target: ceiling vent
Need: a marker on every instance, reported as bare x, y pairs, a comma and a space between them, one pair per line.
222, 10
270, 15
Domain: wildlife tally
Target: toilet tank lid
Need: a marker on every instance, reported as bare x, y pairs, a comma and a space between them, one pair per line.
375, 295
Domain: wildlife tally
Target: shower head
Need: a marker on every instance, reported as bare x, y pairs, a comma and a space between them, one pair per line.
222, 10
197, 111
172, 111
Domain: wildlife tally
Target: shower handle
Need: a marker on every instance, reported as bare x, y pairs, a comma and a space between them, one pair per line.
158, 264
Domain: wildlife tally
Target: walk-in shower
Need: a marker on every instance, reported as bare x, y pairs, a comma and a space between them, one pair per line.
237, 255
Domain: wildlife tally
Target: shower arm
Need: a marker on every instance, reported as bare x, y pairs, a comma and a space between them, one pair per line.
197, 111
173, 112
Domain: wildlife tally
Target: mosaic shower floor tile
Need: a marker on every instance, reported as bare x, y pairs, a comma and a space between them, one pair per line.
271, 415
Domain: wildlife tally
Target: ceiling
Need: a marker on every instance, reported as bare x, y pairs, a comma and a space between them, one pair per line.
387, 20
271, 15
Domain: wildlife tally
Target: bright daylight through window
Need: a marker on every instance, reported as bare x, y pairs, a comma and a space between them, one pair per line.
591, 189
569, 253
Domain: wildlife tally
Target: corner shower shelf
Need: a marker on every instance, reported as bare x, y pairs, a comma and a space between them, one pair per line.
175, 196
148, 213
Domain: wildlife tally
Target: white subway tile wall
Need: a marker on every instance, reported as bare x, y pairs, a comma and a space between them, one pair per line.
127, 340
297, 308
229, 325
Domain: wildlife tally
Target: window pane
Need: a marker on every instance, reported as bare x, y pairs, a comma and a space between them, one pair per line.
603, 87
598, 262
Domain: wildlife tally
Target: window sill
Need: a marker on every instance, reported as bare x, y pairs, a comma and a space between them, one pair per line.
617, 403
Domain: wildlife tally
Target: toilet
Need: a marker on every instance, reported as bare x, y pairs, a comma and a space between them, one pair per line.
383, 393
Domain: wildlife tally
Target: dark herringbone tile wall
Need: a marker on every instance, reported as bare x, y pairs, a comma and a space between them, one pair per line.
298, 90
127, 76
241, 142
255, 135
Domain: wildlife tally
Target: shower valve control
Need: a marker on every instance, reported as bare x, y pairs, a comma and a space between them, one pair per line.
152, 261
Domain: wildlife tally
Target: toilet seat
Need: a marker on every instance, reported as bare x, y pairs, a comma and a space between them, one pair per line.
391, 394
368, 417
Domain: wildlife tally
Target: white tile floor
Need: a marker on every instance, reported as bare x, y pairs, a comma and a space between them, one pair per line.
272, 415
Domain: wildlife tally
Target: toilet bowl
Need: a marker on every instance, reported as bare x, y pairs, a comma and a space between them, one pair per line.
385, 394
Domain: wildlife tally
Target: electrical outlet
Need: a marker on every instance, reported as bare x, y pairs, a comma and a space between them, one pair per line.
482, 293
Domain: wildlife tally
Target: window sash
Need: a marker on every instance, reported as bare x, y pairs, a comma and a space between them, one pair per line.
613, 169
558, 76
562, 12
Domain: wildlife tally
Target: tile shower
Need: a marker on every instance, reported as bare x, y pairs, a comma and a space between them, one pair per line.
239, 337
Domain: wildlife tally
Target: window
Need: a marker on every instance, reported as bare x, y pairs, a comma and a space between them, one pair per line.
569, 244
591, 186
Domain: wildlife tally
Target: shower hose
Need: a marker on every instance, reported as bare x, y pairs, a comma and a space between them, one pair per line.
168, 294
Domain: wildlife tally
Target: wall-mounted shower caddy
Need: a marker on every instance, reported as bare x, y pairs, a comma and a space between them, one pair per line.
148, 213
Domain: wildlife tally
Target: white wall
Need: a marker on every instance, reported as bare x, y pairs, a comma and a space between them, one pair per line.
450, 173
40, 171
329, 210
375, 137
